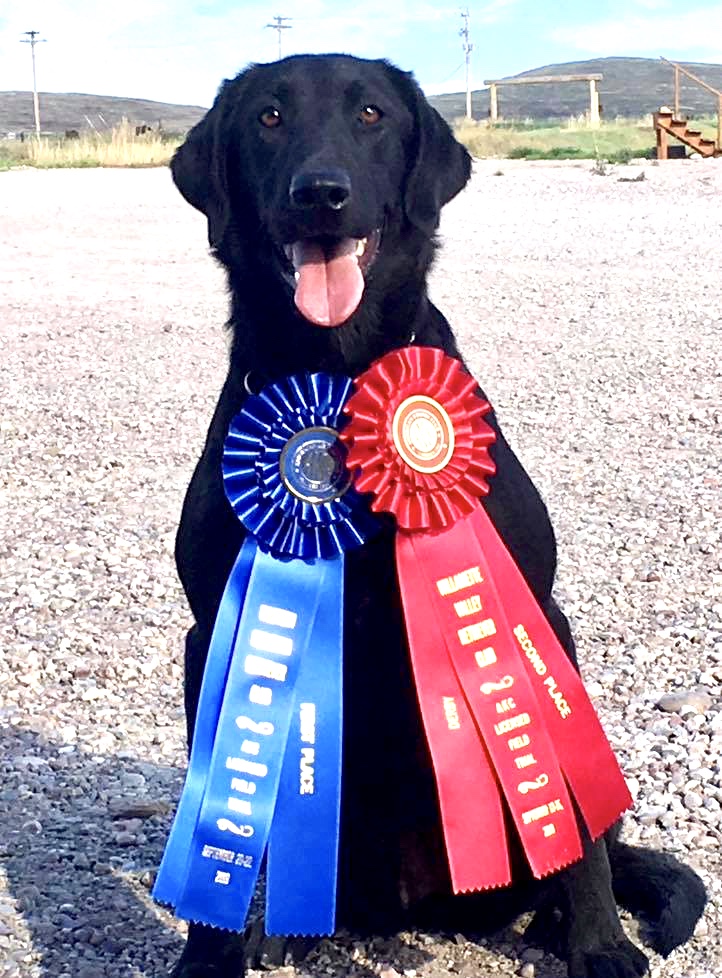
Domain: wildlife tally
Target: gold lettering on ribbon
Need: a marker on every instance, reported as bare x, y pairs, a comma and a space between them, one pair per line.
504, 706
485, 657
541, 669
532, 654
558, 697
457, 582
468, 606
478, 631
526, 760
506, 683
505, 726
451, 713
524, 787
542, 811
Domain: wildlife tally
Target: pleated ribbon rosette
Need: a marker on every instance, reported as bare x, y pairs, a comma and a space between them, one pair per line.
511, 731
264, 776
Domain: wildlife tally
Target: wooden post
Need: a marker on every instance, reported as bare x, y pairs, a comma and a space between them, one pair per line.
719, 122
593, 105
493, 104
676, 92
662, 142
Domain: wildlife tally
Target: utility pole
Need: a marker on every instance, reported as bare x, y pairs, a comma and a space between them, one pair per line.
468, 47
280, 26
32, 41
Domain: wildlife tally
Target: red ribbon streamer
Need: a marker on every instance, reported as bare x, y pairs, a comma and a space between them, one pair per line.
505, 713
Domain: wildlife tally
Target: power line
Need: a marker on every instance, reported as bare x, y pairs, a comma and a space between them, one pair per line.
453, 73
467, 48
280, 26
32, 41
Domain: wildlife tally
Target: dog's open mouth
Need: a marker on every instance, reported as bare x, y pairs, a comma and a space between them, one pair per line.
330, 276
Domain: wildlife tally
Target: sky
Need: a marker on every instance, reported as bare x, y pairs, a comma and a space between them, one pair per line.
180, 50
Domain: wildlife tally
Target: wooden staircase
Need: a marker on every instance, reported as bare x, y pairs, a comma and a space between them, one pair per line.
667, 124
670, 122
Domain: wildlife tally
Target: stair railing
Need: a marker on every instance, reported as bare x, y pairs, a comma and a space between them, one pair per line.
679, 69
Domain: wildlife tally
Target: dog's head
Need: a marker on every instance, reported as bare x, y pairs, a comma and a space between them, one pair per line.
319, 174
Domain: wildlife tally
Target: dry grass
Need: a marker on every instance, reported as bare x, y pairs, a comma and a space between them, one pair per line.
572, 138
120, 147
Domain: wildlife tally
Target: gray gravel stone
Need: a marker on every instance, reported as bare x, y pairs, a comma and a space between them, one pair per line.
697, 702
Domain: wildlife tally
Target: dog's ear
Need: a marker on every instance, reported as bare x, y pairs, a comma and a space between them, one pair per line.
199, 168
441, 165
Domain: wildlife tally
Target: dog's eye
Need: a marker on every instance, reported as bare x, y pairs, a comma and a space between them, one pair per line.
270, 118
370, 115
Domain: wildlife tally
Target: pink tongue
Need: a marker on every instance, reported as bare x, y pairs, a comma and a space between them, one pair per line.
329, 288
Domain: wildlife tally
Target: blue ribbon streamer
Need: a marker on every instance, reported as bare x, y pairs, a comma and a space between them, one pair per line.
303, 848
266, 756
173, 869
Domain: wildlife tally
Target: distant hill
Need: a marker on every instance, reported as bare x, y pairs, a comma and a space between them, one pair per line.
59, 112
631, 87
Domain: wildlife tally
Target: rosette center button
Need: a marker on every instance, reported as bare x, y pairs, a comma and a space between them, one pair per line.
423, 434
313, 465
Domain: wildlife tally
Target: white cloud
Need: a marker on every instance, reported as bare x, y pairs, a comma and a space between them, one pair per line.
180, 51
698, 33
493, 11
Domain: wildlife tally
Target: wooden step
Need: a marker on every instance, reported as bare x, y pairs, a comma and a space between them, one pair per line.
678, 128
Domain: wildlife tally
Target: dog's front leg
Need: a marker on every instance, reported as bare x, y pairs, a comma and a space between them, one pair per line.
596, 945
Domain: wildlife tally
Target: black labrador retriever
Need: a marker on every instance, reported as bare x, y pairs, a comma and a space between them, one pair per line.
322, 178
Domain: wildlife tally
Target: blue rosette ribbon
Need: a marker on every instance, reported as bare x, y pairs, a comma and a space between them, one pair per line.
264, 776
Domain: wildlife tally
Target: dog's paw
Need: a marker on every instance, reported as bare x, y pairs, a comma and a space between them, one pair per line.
546, 931
675, 923
619, 960
210, 953
265, 952
195, 970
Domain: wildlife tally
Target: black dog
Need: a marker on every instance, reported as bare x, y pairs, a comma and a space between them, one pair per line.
322, 178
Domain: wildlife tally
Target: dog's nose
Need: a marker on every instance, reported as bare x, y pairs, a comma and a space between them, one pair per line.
320, 188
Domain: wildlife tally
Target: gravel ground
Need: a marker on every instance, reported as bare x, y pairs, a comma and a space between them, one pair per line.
587, 304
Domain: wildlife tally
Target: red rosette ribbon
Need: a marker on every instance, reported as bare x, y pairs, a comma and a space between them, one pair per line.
509, 724
418, 438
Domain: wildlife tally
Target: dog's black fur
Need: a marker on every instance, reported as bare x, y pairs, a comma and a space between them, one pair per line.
312, 121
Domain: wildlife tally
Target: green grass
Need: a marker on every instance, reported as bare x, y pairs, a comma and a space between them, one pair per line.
617, 142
